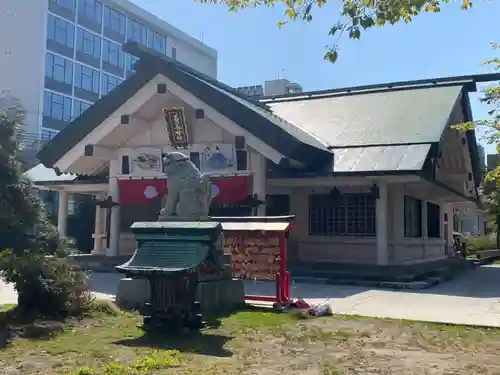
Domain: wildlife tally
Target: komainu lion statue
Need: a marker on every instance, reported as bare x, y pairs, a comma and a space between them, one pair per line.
189, 192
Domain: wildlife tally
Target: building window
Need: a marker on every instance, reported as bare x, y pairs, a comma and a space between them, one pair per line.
56, 106
48, 134
343, 215
130, 61
114, 21
72, 205
112, 54
79, 107
49, 199
109, 83
157, 42
58, 68
88, 43
86, 78
69, 4
433, 220
136, 32
60, 31
413, 216
90, 10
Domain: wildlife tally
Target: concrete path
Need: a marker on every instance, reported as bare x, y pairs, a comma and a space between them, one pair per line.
472, 298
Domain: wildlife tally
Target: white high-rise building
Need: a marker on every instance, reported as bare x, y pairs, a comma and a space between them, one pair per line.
59, 56
274, 87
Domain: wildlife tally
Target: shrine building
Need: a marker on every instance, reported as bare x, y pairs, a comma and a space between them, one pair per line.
371, 173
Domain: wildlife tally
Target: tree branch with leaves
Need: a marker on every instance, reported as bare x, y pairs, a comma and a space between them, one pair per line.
354, 17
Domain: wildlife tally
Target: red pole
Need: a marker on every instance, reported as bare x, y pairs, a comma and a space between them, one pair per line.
287, 285
282, 275
278, 288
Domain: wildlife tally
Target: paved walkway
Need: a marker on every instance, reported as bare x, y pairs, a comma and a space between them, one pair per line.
472, 298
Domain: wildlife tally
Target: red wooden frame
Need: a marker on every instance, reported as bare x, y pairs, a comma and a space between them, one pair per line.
282, 278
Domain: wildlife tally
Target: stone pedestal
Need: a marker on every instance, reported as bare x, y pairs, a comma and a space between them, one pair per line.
178, 267
224, 294
221, 294
132, 293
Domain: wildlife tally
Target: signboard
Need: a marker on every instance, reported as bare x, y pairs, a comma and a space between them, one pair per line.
176, 127
255, 255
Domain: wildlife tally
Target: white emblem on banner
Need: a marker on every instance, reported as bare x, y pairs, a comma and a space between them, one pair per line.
215, 191
150, 192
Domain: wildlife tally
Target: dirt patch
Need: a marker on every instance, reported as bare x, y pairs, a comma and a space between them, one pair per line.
262, 343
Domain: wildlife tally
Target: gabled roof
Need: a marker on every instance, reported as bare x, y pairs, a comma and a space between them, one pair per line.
289, 140
416, 115
384, 127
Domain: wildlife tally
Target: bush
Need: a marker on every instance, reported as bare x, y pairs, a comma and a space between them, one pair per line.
47, 285
35, 259
482, 243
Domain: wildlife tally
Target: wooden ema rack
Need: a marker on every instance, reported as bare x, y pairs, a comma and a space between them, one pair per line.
258, 250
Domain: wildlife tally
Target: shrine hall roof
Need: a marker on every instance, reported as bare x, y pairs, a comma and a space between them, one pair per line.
289, 140
376, 128
383, 128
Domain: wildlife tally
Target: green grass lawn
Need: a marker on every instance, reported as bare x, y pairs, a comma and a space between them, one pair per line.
251, 341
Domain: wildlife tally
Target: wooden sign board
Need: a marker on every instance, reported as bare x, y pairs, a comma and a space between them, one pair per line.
176, 127
255, 254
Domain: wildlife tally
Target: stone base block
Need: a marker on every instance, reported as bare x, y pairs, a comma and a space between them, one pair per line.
221, 294
132, 293
212, 295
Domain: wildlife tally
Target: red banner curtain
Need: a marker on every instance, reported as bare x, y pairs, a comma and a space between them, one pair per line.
225, 190
230, 190
134, 191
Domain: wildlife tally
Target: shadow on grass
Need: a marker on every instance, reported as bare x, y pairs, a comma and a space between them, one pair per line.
196, 343
14, 324
208, 343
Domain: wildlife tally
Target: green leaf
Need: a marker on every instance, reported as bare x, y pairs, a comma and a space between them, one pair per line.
331, 56
335, 29
354, 33
367, 22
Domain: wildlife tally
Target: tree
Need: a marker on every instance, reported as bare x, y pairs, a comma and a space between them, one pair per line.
32, 256
354, 15
492, 134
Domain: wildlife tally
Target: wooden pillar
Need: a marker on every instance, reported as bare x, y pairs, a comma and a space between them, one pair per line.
114, 242
99, 230
258, 166
381, 224
62, 214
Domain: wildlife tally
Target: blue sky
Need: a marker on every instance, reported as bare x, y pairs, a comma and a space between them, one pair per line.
252, 49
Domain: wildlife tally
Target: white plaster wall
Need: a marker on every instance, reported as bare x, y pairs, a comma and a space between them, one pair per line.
202, 132
199, 130
22, 52
305, 248
401, 250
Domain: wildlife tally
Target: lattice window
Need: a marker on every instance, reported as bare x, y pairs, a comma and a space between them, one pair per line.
345, 215
433, 220
413, 217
